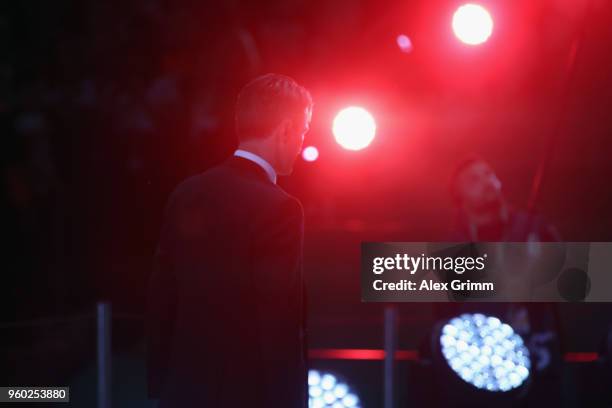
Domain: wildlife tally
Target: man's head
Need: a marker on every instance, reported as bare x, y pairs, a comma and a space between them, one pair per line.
475, 186
272, 117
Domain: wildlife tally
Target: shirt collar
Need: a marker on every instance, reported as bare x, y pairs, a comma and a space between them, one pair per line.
260, 161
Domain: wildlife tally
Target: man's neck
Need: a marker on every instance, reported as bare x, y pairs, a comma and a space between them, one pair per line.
260, 148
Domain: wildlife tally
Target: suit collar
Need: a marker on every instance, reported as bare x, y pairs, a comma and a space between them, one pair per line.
248, 167
260, 161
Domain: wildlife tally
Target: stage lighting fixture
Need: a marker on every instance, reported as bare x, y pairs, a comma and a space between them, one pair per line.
404, 43
472, 24
310, 153
326, 390
354, 128
485, 352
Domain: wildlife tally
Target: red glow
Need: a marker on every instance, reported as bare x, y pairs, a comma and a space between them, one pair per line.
361, 354
413, 355
580, 357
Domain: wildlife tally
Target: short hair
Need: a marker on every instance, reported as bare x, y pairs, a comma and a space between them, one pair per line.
265, 101
460, 167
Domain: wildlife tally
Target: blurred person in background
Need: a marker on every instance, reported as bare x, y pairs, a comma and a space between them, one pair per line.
482, 213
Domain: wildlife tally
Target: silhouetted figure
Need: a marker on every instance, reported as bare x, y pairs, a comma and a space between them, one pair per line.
226, 312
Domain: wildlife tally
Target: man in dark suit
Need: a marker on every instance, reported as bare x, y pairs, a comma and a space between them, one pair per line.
226, 301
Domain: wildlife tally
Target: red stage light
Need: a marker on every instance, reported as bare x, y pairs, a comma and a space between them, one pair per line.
472, 24
354, 128
310, 153
404, 43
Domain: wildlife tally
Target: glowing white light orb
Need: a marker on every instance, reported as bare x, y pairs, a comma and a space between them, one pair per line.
325, 390
485, 352
404, 43
310, 153
354, 128
472, 24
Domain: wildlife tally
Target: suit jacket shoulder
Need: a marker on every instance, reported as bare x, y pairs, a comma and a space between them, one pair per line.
236, 184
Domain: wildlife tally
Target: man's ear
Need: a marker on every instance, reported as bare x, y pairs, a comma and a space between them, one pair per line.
284, 130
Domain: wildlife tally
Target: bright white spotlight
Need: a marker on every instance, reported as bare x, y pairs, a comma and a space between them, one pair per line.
354, 128
310, 153
472, 24
326, 390
485, 352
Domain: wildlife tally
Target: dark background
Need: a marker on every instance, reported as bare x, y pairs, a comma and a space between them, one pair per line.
106, 105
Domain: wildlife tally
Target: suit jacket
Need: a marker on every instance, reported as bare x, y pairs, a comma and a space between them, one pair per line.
226, 300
